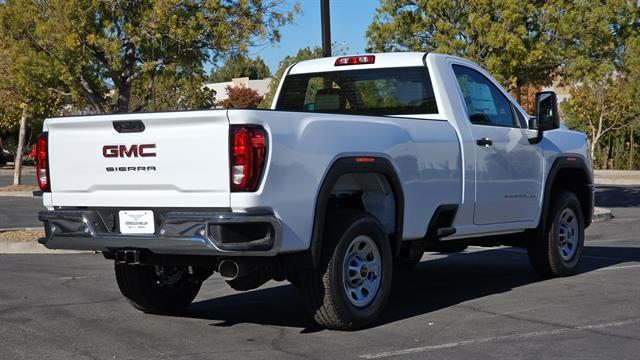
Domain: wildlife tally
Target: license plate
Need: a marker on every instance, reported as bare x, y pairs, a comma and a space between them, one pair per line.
136, 222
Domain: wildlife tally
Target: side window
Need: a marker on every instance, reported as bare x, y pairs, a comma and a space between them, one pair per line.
485, 103
521, 119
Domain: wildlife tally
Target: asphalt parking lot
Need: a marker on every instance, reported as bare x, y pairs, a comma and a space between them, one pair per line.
481, 304
19, 212
28, 177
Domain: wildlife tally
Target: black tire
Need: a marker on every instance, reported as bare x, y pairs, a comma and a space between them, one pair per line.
158, 289
324, 287
544, 251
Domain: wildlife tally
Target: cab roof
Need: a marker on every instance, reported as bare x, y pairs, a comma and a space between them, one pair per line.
382, 60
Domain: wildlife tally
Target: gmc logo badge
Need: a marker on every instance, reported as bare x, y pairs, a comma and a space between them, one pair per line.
142, 150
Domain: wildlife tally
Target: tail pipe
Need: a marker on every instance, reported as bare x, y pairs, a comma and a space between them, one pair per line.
231, 269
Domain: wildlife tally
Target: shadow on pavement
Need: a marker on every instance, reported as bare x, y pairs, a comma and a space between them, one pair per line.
433, 285
618, 196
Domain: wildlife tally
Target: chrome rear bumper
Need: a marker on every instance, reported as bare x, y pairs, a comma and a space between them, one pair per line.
177, 232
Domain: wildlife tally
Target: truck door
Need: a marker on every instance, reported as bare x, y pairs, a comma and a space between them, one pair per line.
508, 167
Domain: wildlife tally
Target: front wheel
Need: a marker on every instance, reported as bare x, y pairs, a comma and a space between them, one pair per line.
159, 289
350, 288
559, 251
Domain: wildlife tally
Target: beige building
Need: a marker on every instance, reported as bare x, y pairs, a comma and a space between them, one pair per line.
561, 91
261, 86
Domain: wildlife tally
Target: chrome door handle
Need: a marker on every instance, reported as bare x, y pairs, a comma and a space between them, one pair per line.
486, 142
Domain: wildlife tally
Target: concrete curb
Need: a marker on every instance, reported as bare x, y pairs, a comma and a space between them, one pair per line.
34, 247
20, 194
22, 229
602, 214
617, 177
30, 247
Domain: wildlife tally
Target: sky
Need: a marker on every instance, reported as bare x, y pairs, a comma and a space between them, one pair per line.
349, 22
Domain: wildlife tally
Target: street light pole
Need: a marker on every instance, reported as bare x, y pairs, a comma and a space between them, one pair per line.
326, 28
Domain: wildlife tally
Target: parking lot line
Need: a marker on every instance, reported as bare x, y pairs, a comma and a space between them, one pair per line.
619, 267
519, 336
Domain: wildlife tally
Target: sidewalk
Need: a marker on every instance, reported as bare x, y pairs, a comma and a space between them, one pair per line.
617, 177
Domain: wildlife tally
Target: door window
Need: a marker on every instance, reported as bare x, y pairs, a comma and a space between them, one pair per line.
486, 105
521, 119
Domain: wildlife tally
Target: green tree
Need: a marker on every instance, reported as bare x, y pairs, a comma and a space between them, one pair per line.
238, 67
596, 51
105, 46
598, 108
514, 40
632, 71
302, 54
172, 88
603, 72
30, 90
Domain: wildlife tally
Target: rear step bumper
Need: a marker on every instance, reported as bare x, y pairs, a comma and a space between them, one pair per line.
180, 233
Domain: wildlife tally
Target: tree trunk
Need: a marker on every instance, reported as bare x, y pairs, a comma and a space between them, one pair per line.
609, 160
3, 160
17, 173
631, 150
519, 94
124, 96
592, 146
124, 85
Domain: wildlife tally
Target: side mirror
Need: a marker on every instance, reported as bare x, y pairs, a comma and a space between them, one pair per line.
547, 111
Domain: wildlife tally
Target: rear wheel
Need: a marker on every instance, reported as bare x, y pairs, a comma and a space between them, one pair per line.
559, 251
350, 288
159, 289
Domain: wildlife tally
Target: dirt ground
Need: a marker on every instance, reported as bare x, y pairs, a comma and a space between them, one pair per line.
21, 235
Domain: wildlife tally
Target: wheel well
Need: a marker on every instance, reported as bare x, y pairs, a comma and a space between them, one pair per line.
370, 192
576, 181
372, 185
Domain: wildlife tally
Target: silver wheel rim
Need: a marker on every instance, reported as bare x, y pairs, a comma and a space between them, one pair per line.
362, 271
568, 234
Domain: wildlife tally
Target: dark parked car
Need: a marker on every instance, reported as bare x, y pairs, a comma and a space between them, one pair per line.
3, 159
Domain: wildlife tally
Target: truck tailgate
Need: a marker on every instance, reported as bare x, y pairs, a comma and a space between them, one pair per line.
180, 159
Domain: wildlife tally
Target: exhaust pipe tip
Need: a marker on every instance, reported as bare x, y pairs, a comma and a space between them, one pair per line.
228, 269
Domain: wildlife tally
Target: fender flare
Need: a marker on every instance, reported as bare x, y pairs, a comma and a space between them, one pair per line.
562, 163
350, 165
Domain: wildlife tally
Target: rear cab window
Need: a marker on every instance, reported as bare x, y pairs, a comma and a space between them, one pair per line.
387, 91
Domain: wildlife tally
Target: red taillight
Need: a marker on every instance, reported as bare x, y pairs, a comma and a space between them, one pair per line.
365, 160
248, 150
42, 162
355, 60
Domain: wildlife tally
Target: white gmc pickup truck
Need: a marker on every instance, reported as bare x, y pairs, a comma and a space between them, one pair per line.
362, 164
